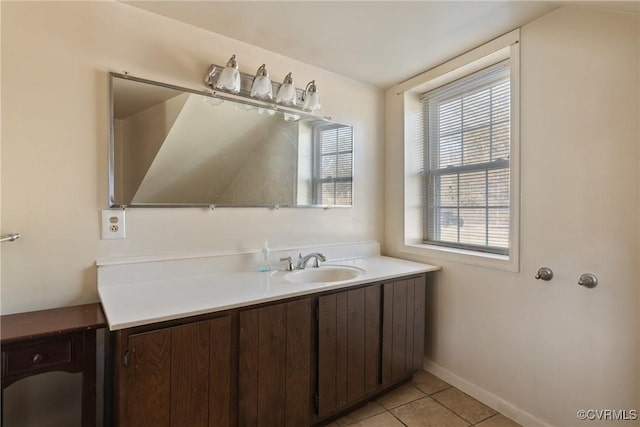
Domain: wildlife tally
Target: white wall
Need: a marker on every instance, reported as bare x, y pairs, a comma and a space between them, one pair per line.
142, 137
55, 59
55, 128
543, 350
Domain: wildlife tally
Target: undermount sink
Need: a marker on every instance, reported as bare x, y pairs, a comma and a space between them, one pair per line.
324, 274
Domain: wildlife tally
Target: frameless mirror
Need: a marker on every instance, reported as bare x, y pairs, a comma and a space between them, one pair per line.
173, 146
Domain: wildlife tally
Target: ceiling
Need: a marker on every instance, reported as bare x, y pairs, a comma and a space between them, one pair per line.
376, 42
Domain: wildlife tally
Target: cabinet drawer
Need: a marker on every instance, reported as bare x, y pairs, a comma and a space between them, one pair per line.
48, 354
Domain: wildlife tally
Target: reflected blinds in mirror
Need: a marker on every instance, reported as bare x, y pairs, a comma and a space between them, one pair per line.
333, 165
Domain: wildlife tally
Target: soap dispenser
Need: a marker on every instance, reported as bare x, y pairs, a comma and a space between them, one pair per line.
265, 264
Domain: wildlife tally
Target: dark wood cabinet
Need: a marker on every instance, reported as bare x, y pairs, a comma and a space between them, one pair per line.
223, 408
402, 328
348, 347
59, 339
275, 365
149, 381
178, 376
293, 363
368, 338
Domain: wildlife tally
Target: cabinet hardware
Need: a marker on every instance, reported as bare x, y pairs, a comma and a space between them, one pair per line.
126, 358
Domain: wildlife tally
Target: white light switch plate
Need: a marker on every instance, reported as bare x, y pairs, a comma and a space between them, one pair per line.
113, 224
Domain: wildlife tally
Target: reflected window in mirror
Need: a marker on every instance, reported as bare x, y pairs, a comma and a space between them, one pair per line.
333, 164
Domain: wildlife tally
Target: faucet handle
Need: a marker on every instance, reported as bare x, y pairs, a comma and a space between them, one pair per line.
289, 266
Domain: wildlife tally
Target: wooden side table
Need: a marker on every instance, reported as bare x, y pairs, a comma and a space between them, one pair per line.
60, 339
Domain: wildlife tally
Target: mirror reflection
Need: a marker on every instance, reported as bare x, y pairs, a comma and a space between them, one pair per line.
178, 147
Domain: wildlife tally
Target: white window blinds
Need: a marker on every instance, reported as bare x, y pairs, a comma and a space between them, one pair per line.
333, 174
467, 175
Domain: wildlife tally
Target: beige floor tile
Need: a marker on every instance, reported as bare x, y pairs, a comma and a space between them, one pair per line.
404, 394
369, 410
384, 419
428, 383
426, 412
498, 421
464, 405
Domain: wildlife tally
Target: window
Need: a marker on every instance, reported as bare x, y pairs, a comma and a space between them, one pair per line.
467, 162
460, 127
333, 165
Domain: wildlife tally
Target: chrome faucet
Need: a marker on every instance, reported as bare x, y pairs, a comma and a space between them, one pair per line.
289, 261
303, 260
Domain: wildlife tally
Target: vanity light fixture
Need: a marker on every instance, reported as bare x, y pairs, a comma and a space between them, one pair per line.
287, 93
311, 97
229, 78
257, 91
261, 87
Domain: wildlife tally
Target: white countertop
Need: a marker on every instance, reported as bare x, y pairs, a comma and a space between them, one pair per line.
141, 302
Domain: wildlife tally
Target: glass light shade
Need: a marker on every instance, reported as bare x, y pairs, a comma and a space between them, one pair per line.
287, 94
291, 117
311, 101
229, 80
262, 88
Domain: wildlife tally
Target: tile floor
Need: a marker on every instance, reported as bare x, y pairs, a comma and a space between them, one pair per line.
426, 401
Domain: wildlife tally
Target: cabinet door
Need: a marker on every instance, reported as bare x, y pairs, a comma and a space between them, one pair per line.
348, 347
166, 384
169, 376
223, 374
403, 328
274, 368
149, 380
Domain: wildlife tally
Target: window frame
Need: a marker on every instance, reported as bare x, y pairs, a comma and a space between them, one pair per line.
493, 52
477, 81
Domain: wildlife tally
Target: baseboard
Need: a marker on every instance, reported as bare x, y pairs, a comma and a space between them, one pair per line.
499, 404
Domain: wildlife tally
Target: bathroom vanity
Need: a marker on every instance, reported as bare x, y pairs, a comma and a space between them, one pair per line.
266, 351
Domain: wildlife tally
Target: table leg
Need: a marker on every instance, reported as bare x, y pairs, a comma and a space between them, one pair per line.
89, 379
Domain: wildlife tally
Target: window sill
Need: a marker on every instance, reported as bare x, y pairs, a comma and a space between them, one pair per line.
480, 259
